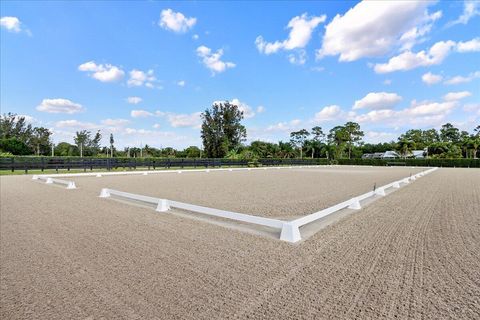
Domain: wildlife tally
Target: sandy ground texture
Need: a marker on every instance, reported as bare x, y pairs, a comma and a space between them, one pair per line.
414, 254
282, 193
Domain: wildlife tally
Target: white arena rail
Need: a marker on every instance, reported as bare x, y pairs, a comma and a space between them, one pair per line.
164, 205
290, 230
50, 180
148, 172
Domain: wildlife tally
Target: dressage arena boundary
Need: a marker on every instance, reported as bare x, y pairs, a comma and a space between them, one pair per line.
49, 180
148, 172
289, 230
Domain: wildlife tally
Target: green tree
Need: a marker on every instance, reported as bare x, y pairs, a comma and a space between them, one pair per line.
40, 140
298, 138
337, 138
405, 147
82, 140
353, 134
112, 141
66, 149
222, 130
448, 133
14, 146
192, 152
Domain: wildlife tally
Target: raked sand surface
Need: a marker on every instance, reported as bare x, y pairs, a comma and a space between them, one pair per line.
67, 254
284, 193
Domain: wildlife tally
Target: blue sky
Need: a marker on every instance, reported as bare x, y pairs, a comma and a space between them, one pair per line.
145, 70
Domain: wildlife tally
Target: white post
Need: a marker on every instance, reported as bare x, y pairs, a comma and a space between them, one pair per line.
71, 185
290, 232
104, 193
163, 205
380, 191
355, 204
49, 180
98, 175
396, 185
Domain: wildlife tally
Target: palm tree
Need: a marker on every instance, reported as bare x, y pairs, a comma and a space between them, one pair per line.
405, 147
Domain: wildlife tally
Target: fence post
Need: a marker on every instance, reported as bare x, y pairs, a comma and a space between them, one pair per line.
13, 164
43, 164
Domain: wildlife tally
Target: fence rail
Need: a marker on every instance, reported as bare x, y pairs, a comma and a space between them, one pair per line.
76, 163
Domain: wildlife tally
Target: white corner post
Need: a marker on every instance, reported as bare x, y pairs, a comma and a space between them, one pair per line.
71, 185
35, 177
145, 173
290, 232
104, 193
355, 204
49, 180
98, 175
162, 205
380, 192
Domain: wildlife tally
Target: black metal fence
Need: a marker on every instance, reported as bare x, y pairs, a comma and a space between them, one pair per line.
76, 163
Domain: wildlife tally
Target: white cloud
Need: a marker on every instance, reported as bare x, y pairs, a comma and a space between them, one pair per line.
75, 124
184, 120
245, 108
102, 72
409, 60
134, 100
12, 24
260, 109
195, 37
374, 28
157, 126
469, 46
327, 113
59, 106
301, 28
212, 60
430, 78
375, 116
176, 21
421, 114
284, 126
454, 96
140, 114
139, 78
181, 83
115, 122
472, 107
378, 136
462, 79
429, 108
377, 100
299, 58
470, 10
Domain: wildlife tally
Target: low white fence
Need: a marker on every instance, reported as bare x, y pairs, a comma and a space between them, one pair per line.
50, 180
290, 230
148, 172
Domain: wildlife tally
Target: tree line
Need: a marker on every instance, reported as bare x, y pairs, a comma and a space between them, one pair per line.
224, 136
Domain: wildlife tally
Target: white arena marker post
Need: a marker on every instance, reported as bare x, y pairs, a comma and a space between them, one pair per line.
208, 170
290, 232
71, 185
406, 181
98, 175
35, 177
49, 180
162, 205
355, 204
104, 193
396, 185
380, 191
145, 173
